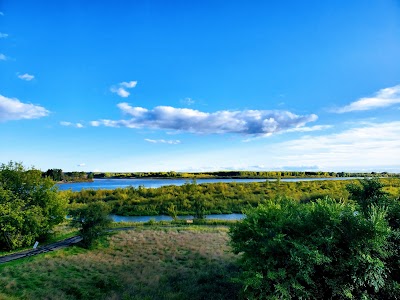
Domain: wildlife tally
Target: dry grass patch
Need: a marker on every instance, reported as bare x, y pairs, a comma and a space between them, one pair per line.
136, 264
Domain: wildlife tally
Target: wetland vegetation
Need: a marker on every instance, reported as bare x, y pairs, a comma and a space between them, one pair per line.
215, 198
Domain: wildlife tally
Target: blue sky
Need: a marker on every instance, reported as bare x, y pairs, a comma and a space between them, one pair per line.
200, 85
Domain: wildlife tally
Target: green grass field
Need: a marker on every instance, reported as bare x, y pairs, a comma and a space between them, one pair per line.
145, 263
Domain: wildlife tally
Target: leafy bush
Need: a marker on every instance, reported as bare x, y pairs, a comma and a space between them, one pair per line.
30, 206
92, 221
319, 250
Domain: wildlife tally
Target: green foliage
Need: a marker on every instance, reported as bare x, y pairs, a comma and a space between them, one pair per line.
241, 174
215, 198
319, 250
92, 220
30, 206
77, 176
54, 174
368, 193
172, 212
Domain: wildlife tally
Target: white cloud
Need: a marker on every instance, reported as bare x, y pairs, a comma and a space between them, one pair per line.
129, 85
121, 88
13, 109
309, 129
26, 77
3, 35
365, 147
373, 144
188, 101
70, 124
295, 129
120, 92
383, 98
171, 142
3, 57
81, 165
95, 123
246, 122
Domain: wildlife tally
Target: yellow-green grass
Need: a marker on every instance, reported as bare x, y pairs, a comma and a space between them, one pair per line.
144, 263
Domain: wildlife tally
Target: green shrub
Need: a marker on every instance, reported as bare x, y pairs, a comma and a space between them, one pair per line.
92, 221
319, 250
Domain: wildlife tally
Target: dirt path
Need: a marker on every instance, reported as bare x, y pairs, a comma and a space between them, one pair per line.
44, 249
51, 247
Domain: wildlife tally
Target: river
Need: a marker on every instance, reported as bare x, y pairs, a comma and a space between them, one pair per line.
110, 184
229, 217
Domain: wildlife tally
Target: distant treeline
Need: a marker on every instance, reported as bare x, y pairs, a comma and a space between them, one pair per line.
242, 174
59, 176
210, 198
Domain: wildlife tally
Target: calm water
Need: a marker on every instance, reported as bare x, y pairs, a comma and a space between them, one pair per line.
110, 184
117, 218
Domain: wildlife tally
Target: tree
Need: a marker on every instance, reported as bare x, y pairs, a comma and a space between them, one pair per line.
30, 206
92, 220
199, 207
368, 193
55, 174
318, 250
172, 211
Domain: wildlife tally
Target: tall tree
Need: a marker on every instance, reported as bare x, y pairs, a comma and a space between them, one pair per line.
30, 205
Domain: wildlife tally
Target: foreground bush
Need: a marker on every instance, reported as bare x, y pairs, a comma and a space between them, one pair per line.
318, 250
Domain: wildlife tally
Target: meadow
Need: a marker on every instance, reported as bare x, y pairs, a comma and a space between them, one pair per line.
145, 263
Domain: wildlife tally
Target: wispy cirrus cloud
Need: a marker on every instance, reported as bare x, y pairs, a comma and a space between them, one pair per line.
309, 128
246, 122
3, 35
383, 98
3, 57
170, 142
188, 101
363, 147
70, 124
121, 88
14, 109
367, 144
26, 77
1, 13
